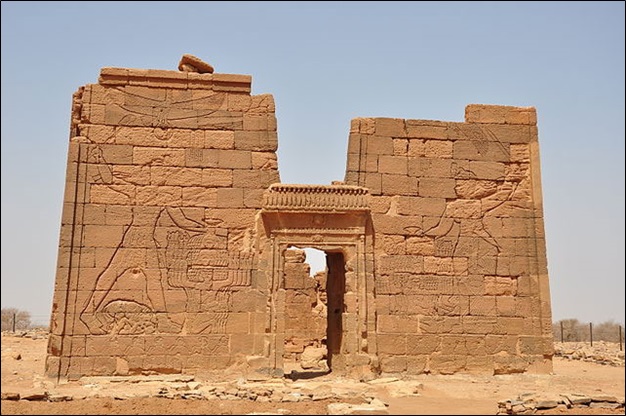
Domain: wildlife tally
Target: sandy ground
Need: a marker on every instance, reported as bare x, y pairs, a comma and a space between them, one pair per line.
23, 365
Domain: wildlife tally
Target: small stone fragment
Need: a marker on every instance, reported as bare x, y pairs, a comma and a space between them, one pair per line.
190, 63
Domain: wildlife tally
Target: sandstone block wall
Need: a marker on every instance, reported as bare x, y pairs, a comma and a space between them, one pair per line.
461, 272
157, 261
176, 252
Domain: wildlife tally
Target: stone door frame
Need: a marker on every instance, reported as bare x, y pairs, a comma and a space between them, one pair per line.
359, 326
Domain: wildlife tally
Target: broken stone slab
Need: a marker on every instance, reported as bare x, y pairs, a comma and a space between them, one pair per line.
260, 391
191, 63
168, 378
36, 396
293, 397
79, 396
232, 391
404, 389
60, 398
566, 400
356, 409
604, 398
250, 395
350, 393
243, 393
138, 395
604, 405
546, 404
260, 374
197, 395
179, 386
321, 392
321, 396
383, 380
576, 398
194, 385
378, 403
542, 401
506, 405
312, 357
526, 397
529, 403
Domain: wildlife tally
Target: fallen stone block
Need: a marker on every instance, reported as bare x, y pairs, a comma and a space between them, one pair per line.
604, 405
604, 398
36, 396
60, 398
356, 409
546, 404
578, 398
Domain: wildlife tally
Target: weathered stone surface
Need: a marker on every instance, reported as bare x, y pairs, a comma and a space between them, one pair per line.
190, 63
181, 251
357, 409
35, 396
529, 403
601, 353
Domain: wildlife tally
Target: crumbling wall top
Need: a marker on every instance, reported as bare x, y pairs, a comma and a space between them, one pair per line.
159, 78
500, 114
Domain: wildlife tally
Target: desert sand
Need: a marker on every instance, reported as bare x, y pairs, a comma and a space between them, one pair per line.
23, 359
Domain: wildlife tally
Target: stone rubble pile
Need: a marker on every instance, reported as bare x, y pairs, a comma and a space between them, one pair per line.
530, 403
349, 397
33, 333
602, 352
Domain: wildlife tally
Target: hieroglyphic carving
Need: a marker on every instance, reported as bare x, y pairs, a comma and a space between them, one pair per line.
128, 318
400, 264
485, 142
207, 323
101, 172
316, 197
194, 156
449, 305
131, 294
436, 284
505, 198
415, 283
145, 108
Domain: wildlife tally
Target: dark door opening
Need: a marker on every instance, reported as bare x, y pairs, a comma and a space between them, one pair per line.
335, 289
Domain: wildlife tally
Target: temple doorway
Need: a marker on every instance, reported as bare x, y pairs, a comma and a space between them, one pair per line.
314, 307
334, 220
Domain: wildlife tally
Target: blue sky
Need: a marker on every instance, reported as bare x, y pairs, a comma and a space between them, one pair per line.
326, 63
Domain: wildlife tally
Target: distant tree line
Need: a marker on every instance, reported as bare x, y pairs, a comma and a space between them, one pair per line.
13, 318
574, 330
